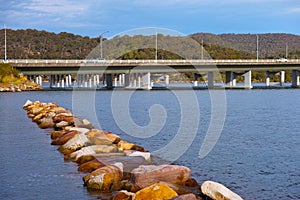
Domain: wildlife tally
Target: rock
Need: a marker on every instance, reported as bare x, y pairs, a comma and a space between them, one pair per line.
56, 134
129, 163
123, 195
124, 145
93, 150
218, 191
27, 104
67, 117
156, 191
184, 189
102, 137
106, 178
64, 137
81, 130
146, 155
146, 175
82, 123
61, 124
186, 197
46, 123
90, 166
58, 110
74, 144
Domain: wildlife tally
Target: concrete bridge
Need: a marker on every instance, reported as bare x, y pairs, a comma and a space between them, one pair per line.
139, 73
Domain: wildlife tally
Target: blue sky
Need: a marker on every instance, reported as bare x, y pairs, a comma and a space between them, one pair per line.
92, 17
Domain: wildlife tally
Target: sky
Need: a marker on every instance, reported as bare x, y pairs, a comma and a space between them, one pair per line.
93, 17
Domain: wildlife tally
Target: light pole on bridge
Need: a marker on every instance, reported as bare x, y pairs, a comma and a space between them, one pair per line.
5, 45
101, 41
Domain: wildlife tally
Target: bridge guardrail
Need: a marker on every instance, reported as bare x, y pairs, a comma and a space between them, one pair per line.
57, 61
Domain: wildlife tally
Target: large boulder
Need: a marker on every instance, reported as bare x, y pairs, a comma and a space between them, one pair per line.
90, 166
124, 145
92, 151
64, 137
67, 117
102, 137
146, 175
106, 178
129, 163
82, 123
46, 123
218, 191
74, 144
156, 191
123, 195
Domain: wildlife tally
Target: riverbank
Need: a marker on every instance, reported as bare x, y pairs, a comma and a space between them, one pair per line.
118, 169
6, 87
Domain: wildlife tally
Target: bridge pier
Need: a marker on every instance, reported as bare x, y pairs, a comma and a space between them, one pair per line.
38, 80
167, 80
196, 80
109, 81
248, 82
210, 81
230, 79
295, 78
282, 78
147, 84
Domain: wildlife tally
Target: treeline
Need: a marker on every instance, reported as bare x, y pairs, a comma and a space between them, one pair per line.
271, 45
34, 44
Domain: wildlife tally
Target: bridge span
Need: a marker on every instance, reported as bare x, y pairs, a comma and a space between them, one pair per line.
137, 73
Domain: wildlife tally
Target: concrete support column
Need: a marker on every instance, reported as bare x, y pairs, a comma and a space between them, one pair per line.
210, 77
51, 81
85, 79
95, 80
248, 82
123, 79
228, 80
109, 81
126, 80
116, 81
90, 80
38, 80
139, 81
70, 80
167, 77
234, 75
62, 81
120, 80
147, 81
282, 78
267, 78
134, 80
67, 81
295, 78
195, 80
58, 81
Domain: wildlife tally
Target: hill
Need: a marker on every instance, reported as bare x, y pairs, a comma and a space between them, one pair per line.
34, 44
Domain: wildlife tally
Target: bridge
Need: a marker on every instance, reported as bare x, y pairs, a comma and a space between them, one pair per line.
137, 73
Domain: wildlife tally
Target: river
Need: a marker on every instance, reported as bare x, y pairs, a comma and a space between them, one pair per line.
256, 154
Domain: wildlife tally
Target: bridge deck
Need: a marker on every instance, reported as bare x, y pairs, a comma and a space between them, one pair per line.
125, 66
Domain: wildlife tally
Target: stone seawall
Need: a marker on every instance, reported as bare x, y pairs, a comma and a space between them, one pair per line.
119, 169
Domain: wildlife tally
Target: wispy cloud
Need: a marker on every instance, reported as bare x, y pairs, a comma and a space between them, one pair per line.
295, 10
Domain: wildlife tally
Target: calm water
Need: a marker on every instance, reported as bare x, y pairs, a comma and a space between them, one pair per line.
257, 154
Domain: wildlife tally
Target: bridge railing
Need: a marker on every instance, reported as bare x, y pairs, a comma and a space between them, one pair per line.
57, 61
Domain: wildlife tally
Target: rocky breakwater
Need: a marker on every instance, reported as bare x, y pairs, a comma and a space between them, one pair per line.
116, 168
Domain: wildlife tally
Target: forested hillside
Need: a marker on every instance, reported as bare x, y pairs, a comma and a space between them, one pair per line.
34, 44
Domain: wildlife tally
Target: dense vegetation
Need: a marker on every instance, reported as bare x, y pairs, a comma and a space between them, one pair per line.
29, 44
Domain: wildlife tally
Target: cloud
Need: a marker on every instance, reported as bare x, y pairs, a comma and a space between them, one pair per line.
295, 10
